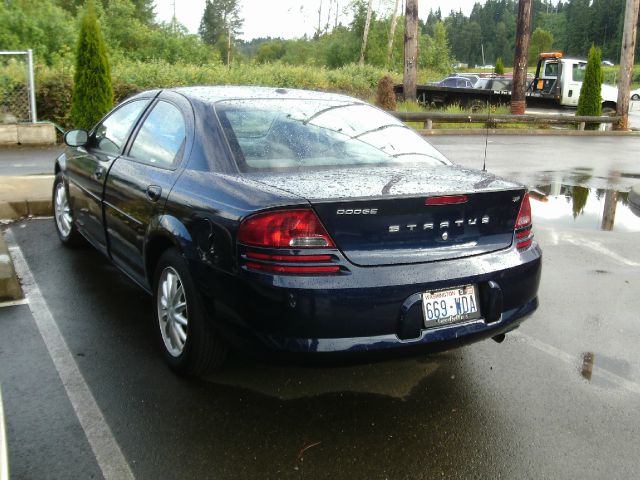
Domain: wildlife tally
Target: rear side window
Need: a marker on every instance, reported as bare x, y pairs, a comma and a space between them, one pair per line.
161, 136
111, 135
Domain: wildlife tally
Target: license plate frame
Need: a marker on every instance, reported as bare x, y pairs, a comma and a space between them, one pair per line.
431, 315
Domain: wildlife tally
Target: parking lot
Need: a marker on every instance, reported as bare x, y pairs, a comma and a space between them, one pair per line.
87, 395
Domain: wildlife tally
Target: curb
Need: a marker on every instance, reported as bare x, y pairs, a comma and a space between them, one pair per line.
9, 286
25, 208
25, 196
527, 132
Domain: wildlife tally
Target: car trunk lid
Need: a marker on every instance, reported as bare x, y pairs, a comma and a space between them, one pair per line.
388, 216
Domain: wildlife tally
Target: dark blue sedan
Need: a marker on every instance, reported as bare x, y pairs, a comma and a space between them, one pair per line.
295, 222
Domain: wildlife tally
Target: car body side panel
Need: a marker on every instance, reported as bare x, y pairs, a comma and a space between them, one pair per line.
86, 173
135, 192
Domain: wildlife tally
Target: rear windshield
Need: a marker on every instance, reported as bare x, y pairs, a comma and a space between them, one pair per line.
288, 135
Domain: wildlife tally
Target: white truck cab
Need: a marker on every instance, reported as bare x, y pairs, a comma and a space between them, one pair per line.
561, 79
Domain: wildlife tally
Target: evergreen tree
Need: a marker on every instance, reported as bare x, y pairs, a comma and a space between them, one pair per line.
499, 69
92, 93
590, 101
144, 11
220, 22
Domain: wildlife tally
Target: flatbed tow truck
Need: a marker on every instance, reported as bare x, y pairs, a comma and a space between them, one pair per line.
556, 84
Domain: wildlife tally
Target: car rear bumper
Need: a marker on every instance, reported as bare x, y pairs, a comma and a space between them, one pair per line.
372, 309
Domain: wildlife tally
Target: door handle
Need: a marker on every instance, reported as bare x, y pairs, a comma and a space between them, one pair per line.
99, 172
154, 192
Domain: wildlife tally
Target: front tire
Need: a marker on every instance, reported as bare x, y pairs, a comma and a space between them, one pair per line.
187, 340
635, 96
62, 215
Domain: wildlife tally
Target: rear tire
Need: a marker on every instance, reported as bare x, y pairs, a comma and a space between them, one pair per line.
635, 97
62, 215
185, 334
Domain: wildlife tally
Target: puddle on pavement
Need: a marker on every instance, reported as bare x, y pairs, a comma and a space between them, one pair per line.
394, 378
576, 206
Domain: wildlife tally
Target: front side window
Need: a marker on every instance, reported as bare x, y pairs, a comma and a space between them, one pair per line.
161, 136
578, 72
551, 70
111, 135
286, 135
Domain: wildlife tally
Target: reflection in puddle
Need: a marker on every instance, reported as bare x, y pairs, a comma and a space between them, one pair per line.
577, 206
392, 378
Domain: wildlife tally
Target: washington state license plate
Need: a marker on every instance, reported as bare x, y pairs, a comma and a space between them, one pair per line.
444, 307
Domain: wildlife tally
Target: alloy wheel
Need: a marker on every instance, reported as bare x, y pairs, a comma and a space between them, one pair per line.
173, 316
62, 210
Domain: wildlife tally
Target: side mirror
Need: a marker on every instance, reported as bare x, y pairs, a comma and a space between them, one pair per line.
76, 138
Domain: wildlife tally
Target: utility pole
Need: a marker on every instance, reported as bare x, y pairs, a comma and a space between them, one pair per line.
523, 31
366, 32
410, 50
174, 21
626, 62
392, 32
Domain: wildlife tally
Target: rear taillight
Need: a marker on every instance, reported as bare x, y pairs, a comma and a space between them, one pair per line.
288, 231
524, 225
285, 229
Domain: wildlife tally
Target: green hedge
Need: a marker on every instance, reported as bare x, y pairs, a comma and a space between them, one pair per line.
54, 84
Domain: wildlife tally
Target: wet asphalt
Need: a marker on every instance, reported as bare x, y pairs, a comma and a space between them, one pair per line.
559, 398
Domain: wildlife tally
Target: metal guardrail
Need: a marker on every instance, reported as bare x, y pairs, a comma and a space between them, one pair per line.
429, 118
4, 456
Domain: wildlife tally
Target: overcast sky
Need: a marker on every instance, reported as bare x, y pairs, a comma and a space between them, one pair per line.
288, 18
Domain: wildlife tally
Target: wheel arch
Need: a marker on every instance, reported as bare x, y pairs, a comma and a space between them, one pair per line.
60, 164
165, 232
609, 105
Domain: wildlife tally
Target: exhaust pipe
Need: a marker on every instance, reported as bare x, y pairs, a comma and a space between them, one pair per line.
499, 338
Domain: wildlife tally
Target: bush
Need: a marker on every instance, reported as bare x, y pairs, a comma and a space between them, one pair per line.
385, 96
590, 101
92, 94
54, 83
53, 97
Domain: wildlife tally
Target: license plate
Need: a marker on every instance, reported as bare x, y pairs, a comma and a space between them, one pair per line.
444, 307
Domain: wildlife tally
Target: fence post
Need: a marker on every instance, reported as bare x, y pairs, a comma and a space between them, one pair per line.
428, 124
32, 88
581, 126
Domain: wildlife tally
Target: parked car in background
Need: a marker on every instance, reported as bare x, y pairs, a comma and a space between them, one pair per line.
607, 63
635, 94
473, 77
295, 222
499, 84
456, 82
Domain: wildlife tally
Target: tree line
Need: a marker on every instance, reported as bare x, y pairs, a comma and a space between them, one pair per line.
131, 31
570, 26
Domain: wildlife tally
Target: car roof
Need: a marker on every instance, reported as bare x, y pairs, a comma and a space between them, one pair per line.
212, 94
